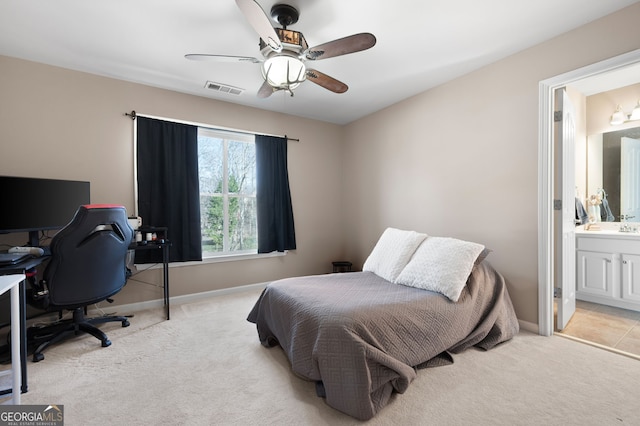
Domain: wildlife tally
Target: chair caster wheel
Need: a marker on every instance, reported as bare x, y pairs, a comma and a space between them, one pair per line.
125, 323
106, 342
38, 357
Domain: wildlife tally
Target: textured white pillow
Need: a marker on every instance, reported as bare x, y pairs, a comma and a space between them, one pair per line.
392, 252
441, 264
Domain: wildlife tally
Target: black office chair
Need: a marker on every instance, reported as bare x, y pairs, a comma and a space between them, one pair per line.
87, 266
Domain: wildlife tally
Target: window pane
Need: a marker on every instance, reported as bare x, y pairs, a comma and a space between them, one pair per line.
242, 168
212, 223
243, 233
227, 174
210, 164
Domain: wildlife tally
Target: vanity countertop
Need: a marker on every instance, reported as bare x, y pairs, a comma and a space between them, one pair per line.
610, 229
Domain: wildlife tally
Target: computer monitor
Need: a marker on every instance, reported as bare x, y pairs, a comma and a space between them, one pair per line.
34, 204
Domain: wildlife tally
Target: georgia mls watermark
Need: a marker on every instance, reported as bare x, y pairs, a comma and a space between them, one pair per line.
31, 415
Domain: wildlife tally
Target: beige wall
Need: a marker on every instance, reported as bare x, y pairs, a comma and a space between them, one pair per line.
458, 160
57, 123
461, 160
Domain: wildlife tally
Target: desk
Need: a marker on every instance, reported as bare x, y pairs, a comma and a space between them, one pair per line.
13, 282
21, 269
155, 245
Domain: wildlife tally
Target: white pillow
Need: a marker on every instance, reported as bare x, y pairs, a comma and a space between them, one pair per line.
441, 264
392, 252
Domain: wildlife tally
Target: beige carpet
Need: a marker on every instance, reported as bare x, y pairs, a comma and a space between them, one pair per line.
206, 367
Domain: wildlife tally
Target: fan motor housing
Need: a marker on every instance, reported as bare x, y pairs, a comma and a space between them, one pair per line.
292, 40
284, 14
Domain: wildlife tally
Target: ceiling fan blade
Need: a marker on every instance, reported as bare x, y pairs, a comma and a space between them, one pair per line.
221, 58
260, 23
342, 46
265, 90
327, 82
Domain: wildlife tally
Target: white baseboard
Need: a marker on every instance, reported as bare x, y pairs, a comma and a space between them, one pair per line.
187, 298
529, 326
132, 308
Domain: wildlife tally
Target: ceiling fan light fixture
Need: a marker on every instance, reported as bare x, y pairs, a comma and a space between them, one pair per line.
284, 71
284, 51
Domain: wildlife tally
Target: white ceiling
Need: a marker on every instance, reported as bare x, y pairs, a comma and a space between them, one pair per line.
420, 44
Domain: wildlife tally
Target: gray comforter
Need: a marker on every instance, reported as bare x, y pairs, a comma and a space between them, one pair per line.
361, 337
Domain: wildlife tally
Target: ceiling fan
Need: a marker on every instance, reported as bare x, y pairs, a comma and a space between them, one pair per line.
285, 51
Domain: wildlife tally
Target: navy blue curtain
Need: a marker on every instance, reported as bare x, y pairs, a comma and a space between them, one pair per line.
273, 197
168, 187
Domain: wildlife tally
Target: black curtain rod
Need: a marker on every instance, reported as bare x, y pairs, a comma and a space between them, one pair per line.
133, 116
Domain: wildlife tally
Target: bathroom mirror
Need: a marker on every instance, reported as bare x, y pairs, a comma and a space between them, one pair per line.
613, 165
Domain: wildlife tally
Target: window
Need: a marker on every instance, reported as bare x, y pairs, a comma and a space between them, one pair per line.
227, 175
212, 188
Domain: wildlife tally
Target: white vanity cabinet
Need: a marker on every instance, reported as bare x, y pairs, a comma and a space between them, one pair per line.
608, 268
595, 274
631, 278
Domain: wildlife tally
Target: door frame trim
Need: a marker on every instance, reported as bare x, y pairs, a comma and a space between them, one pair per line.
546, 177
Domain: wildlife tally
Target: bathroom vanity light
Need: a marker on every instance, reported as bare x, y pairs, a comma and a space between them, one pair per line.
619, 116
635, 114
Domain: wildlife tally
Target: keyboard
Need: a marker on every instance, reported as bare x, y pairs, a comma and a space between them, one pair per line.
7, 259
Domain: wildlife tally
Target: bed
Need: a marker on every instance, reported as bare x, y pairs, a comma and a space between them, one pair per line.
361, 336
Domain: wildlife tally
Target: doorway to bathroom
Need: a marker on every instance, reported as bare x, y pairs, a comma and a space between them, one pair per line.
550, 270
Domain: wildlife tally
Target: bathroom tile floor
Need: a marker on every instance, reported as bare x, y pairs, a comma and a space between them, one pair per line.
606, 325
